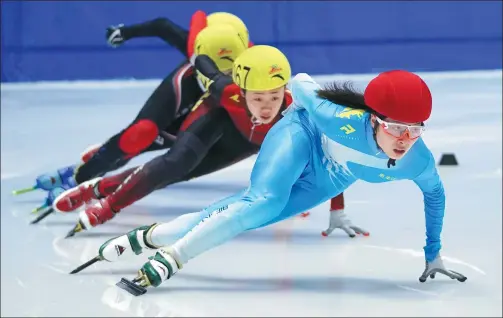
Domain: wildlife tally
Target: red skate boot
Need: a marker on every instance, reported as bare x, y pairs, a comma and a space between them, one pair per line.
94, 215
97, 188
72, 199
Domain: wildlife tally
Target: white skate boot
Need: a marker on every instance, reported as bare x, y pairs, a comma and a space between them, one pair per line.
127, 245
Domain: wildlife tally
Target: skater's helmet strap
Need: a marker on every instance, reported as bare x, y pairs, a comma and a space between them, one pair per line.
222, 43
228, 18
261, 68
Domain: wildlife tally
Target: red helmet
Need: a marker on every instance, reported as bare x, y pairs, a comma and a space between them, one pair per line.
399, 95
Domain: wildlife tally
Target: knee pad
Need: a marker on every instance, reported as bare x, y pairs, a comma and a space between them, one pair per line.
138, 136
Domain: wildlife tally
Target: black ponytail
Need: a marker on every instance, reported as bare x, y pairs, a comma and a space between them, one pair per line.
345, 94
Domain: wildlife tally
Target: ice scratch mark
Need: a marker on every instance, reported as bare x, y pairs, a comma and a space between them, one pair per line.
414, 253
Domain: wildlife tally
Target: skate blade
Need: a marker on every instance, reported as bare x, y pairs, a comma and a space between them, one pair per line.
87, 264
40, 208
78, 228
42, 216
131, 287
25, 190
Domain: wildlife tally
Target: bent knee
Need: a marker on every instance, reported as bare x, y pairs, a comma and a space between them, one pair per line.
138, 136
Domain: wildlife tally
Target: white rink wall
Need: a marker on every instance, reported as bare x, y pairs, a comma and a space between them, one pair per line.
152, 83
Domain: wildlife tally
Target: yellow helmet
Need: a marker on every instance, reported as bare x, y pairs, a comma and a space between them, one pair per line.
221, 43
261, 68
229, 18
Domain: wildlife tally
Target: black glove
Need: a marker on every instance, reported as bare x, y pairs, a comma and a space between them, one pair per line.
114, 35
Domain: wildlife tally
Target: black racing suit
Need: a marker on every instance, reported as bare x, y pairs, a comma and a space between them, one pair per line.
159, 120
209, 140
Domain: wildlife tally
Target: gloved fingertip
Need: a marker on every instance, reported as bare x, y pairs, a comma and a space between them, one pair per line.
352, 235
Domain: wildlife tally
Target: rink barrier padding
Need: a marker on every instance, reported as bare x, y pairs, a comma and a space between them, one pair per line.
65, 40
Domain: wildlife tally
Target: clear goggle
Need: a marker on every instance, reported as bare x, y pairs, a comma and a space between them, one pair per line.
401, 130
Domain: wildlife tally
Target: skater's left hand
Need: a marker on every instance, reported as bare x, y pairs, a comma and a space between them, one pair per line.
114, 35
339, 220
437, 266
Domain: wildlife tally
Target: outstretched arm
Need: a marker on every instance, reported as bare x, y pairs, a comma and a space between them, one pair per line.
434, 206
163, 28
212, 79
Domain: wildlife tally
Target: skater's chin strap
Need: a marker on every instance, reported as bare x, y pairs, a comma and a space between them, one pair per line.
391, 162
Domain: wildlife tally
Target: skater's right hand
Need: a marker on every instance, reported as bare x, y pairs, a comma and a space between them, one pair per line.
114, 36
339, 220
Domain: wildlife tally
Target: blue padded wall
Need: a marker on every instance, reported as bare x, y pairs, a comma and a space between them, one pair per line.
65, 40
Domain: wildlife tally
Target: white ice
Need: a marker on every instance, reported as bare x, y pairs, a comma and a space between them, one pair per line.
287, 269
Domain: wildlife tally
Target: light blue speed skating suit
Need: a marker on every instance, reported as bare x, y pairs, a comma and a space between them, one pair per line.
314, 153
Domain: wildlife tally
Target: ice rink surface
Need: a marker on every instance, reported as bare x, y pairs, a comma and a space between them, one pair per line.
287, 269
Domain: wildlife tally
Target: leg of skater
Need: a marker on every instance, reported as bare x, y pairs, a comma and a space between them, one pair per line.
157, 113
280, 163
187, 152
226, 152
160, 118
